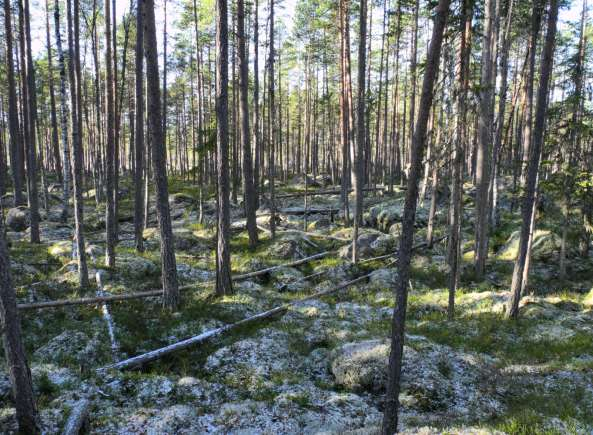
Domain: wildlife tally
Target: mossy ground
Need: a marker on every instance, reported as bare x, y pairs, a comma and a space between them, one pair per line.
480, 326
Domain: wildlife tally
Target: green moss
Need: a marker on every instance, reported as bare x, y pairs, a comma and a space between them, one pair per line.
525, 423
506, 339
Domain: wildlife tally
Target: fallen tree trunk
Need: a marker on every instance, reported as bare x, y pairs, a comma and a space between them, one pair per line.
205, 336
208, 335
302, 211
324, 192
306, 233
155, 293
78, 417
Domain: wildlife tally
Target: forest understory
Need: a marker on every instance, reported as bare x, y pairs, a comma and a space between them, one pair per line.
321, 366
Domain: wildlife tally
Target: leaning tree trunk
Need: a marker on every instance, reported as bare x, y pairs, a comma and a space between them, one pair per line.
223, 254
159, 163
390, 417
527, 209
16, 361
248, 189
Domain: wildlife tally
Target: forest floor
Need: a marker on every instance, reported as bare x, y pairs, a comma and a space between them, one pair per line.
321, 367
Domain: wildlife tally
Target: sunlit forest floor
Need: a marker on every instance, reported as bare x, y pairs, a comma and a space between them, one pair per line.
321, 367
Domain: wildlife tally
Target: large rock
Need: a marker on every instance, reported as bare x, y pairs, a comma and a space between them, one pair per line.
292, 247
365, 246
289, 279
385, 214
135, 267
383, 278
545, 245
18, 219
184, 239
252, 364
69, 346
434, 378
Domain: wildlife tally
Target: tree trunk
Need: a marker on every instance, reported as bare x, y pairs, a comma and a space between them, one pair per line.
455, 205
223, 254
155, 123
139, 154
357, 153
13, 120
256, 141
63, 115
527, 211
110, 224
16, 361
55, 143
390, 417
483, 149
76, 110
248, 189
29, 116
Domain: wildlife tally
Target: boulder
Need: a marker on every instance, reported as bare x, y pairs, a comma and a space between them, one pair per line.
285, 278
318, 222
383, 278
382, 216
384, 244
364, 243
187, 273
184, 238
135, 267
434, 378
18, 219
69, 346
251, 363
181, 198
545, 245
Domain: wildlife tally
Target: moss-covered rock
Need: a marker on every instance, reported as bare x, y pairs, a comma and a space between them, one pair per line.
545, 245
18, 219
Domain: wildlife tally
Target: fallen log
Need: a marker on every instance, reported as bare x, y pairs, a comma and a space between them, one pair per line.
305, 233
156, 293
302, 211
78, 417
208, 335
273, 268
324, 192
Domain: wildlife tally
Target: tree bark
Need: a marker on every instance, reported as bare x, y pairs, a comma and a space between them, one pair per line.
357, 152
18, 368
13, 121
139, 154
527, 211
55, 143
249, 199
110, 224
155, 124
76, 110
390, 417
455, 205
483, 149
223, 254
29, 117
